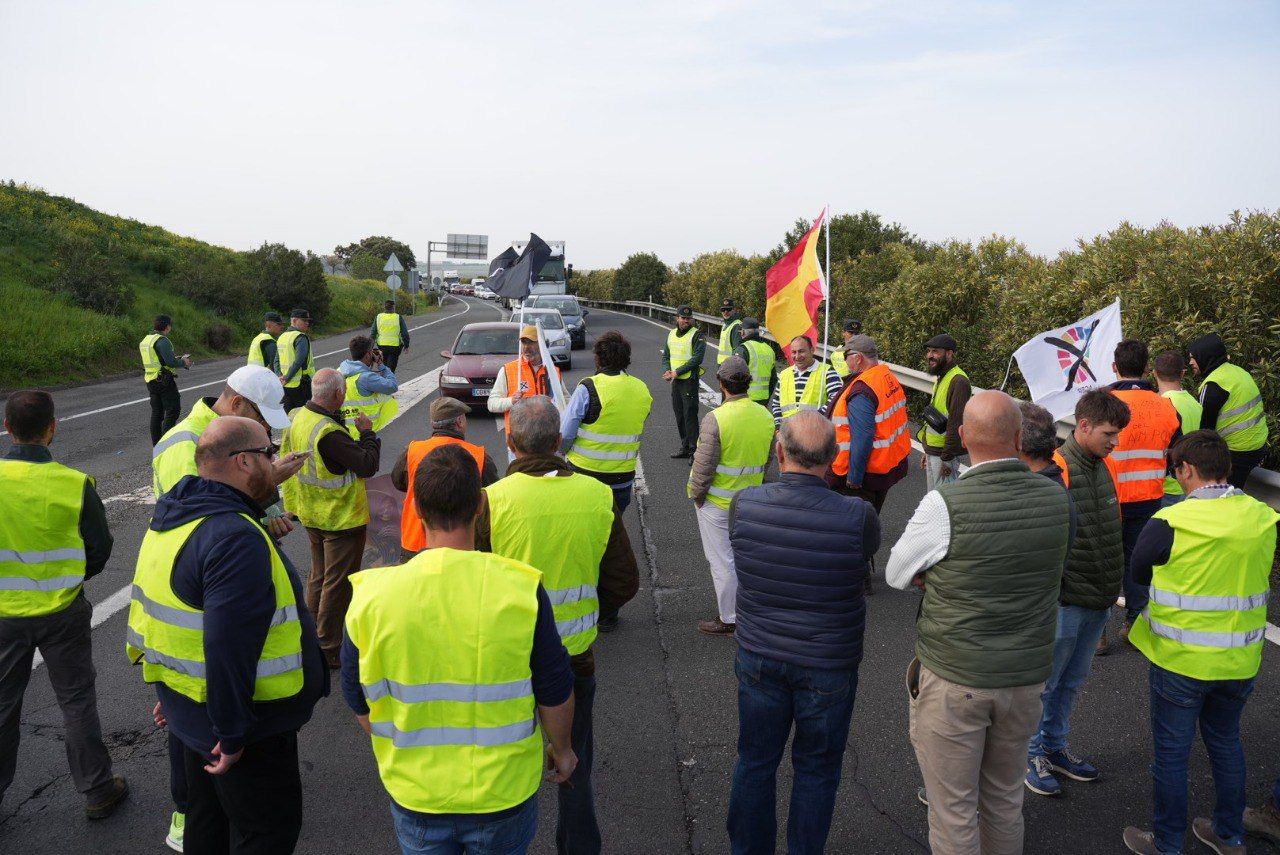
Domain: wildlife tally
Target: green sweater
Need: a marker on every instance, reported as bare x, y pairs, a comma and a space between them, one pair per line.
1095, 565
990, 607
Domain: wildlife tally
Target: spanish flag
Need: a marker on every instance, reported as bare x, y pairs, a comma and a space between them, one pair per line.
794, 288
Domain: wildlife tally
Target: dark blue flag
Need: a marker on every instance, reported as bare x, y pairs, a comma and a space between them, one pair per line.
514, 282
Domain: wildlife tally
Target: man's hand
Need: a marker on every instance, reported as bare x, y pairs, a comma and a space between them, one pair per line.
364, 723
284, 468
924, 461
363, 423
918, 580
186, 361
668, 376
698, 503
222, 763
279, 526
560, 764
945, 471
157, 715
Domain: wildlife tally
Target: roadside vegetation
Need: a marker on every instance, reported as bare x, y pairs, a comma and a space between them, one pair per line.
80, 289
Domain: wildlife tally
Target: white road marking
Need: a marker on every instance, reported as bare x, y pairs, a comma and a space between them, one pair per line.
62, 419
412, 393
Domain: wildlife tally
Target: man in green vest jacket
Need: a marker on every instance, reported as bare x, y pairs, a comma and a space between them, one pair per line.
1207, 562
53, 525
997, 537
951, 390
1090, 584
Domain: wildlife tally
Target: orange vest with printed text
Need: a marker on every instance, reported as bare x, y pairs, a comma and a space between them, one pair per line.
523, 382
892, 442
412, 536
1138, 463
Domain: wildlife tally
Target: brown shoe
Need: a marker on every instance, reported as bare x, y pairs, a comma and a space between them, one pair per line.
107, 805
715, 626
1264, 821
1104, 646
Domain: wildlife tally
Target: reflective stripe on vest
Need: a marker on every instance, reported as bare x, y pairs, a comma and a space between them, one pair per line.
1189, 411
1242, 422
1138, 462
42, 558
255, 348
286, 347
412, 536
813, 396
746, 436
321, 499
561, 526
174, 456
941, 391
166, 636
680, 350
388, 324
891, 443
454, 725
612, 442
151, 366
1207, 614
761, 367
379, 407
726, 346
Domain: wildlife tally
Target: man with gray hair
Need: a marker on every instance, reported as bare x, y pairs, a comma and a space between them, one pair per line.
567, 525
801, 553
1039, 442
328, 496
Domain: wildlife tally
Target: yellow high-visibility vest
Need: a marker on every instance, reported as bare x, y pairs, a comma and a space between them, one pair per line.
286, 347
388, 324
174, 456
42, 558
746, 435
321, 499
612, 442
151, 365
380, 408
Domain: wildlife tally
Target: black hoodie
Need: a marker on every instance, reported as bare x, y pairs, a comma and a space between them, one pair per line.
1209, 352
225, 571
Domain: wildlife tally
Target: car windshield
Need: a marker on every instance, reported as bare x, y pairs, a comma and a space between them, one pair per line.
550, 320
485, 342
563, 305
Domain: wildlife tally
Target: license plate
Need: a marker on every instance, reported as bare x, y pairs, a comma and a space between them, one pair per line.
481, 393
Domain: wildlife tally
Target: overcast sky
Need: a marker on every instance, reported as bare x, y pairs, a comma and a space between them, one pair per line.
675, 127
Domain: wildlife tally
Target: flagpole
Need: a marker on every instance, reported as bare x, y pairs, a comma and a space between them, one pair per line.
826, 311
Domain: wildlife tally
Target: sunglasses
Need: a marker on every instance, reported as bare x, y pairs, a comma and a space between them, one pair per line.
268, 450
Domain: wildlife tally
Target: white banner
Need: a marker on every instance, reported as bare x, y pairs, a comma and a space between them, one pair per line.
1061, 365
553, 373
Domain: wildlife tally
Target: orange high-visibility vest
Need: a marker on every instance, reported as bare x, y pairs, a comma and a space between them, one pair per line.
892, 442
1138, 463
1062, 464
412, 536
522, 382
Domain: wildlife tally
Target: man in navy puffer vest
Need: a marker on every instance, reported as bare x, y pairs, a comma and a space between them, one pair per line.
801, 553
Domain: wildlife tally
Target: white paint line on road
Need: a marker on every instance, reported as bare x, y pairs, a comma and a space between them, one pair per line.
62, 419
412, 393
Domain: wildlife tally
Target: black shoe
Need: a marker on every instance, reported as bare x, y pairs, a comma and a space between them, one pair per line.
682, 454
107, 805
607, 623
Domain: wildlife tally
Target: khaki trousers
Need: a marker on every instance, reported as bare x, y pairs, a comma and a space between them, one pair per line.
971, 745
335, 555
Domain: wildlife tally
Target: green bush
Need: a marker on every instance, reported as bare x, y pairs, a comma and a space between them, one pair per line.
641, 277
91, 278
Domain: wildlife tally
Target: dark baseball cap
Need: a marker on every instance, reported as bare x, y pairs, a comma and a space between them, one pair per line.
942, 341
300, 313
273, 317
849, 325
684, 312
728, 305
750, 324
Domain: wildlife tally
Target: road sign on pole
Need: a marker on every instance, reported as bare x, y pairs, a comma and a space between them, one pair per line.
393, 282
393, 265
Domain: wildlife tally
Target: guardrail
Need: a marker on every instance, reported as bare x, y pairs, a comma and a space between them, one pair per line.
1264, 484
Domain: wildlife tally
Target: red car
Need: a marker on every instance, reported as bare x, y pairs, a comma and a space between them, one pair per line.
477, 356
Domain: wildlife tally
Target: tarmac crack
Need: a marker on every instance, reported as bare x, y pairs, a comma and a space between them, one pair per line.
682, 767
865, 791
35, 794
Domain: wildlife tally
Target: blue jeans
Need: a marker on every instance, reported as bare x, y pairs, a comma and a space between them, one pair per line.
577, 830
771, 695
456, 834
1073, 647
1178, 703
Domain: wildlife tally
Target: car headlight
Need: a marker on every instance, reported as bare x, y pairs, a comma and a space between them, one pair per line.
452, 378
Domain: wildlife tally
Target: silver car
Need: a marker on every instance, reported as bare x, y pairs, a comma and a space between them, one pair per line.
558, 343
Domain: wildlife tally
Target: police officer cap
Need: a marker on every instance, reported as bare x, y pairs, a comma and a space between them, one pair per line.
684, 312
942, 341
750, 324
733, 369
300, 313
849, 325
728, 305
273, 317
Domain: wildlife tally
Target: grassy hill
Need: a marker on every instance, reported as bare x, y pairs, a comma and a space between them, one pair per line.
80, 288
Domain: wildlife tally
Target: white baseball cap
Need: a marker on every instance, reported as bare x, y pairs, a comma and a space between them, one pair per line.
260, 385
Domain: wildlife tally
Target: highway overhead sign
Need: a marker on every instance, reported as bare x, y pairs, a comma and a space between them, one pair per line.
467, 246
393, 265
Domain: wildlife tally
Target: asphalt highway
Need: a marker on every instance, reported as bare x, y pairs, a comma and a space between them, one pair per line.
666, 720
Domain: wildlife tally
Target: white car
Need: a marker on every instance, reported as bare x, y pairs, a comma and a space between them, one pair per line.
484, 293
558, 343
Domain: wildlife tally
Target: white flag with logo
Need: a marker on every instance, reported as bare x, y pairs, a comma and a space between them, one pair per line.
553, 374
1061, 365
